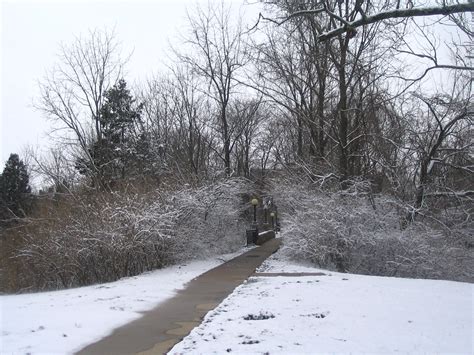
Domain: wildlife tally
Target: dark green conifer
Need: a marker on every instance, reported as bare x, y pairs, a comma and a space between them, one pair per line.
14, 188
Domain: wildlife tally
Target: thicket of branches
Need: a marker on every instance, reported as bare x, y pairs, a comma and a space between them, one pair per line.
94, 238
336, 91
360, 232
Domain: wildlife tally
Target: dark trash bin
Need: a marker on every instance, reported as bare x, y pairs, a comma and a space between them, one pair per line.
252, 235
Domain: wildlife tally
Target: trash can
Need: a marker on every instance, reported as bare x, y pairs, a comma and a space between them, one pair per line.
252, 235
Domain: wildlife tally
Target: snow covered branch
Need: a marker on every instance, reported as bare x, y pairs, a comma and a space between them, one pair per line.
399, 13
458, 194
381, 16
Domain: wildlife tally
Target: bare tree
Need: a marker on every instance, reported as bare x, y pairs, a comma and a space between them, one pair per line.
247, 117
440, 142
57, 171
175, 123
72, 93
331, 89
190, 126
216, 52
292, 72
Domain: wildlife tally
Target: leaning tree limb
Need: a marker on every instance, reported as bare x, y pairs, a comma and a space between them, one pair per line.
400, 13
381, 16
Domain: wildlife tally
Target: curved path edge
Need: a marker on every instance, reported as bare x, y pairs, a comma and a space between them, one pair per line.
158, 330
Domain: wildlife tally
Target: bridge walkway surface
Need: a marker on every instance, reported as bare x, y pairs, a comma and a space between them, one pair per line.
158, 330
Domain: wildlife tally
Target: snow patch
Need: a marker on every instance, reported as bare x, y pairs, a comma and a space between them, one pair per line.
336, 313
68, 320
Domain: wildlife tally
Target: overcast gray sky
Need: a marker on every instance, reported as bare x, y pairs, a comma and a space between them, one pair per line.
31, 32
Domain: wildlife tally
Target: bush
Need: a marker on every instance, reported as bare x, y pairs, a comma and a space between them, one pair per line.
93, 238
212, 219
353, 231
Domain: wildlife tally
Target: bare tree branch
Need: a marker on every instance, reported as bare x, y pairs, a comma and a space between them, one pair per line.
367, 20
399, 13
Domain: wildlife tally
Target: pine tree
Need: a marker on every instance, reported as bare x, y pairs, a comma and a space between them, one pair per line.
14, 188
115, 150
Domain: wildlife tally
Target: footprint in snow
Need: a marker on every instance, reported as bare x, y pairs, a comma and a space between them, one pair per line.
316, 315
117, 308
260, 316
37, 330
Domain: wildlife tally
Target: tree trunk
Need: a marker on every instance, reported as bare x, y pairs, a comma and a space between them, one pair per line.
321, 95
226, 141
299, 142
342, 108
343, 125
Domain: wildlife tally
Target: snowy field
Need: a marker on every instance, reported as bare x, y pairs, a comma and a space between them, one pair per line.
333, 313
65, 321
337, 313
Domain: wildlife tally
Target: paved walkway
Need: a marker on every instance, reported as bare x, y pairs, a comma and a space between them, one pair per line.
163, 327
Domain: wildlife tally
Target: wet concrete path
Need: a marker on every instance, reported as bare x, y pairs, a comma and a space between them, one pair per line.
158, 330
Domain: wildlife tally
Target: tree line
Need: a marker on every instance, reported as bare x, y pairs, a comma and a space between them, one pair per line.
345, 90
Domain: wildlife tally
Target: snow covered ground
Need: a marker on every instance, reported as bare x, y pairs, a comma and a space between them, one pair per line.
284, 314
337, 313
65, 321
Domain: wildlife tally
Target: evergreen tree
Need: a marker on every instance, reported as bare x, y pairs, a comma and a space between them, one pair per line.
114, 153
14, 188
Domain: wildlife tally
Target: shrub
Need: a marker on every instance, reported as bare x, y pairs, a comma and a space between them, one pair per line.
92, 238
353, 231
212, 219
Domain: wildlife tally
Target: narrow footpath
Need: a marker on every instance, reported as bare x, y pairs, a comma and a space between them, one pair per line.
158, 330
